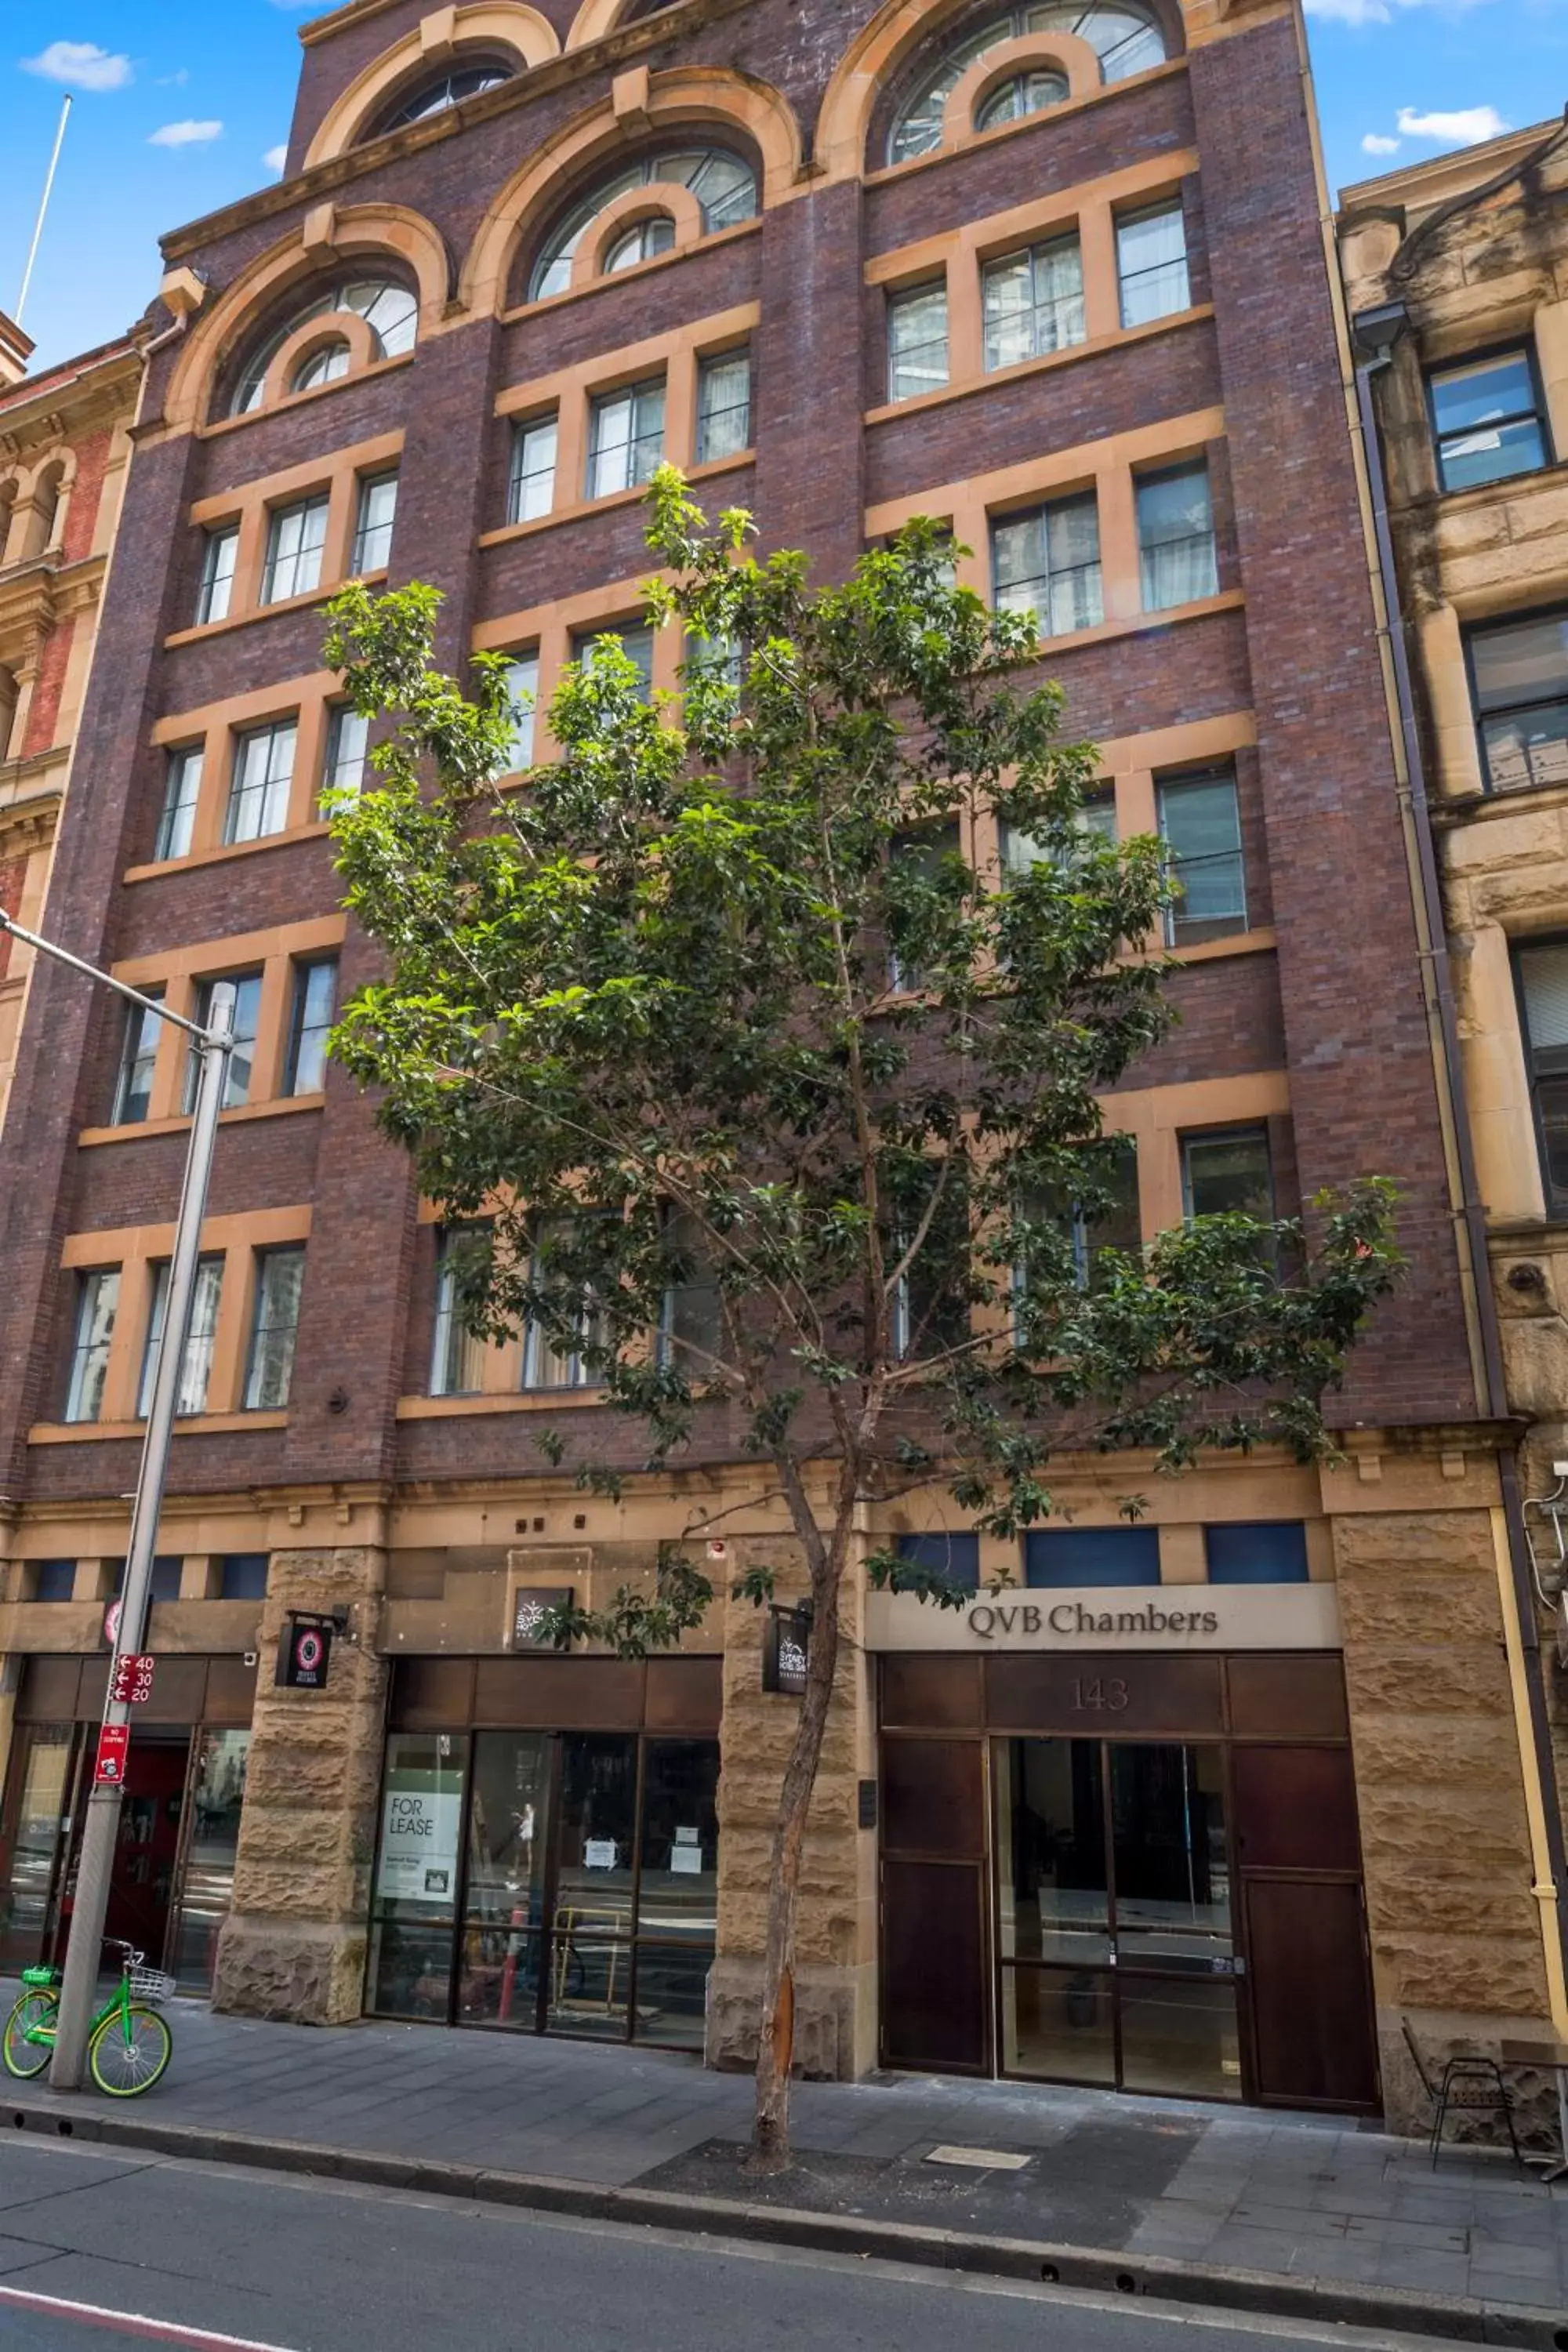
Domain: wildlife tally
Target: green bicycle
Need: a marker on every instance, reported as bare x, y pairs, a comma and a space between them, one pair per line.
129, 2045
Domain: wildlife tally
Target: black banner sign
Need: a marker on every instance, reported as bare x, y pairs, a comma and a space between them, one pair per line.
305, 1654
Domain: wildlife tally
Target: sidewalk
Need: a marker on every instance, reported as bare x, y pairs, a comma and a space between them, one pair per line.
1300, 2198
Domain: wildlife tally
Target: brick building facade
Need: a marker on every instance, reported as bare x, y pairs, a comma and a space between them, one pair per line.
1058, 274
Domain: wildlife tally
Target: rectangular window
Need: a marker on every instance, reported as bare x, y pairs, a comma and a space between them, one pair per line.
54, 1579
1200, 824
1521, 673
137, 1052
723, 406
955, 1557
1048, 563
625, 442
924, 854
182, 789
1152, 264
242, 1575
522, 693
196, 1368
1116, 1224
164, 1584
348, 737
247, 989
1488, 420
1544, 1000
372, 527
457, 1358
691, 1328
96, 1304
916, 341
545, 1365
1227, 1175
279, 1278
296, 537
309, 1022
930, 1305
636, 640
1074, 1556
1257, 1552
261, 782
1175, 538
220, 552
1034, 302
1021, 852
531, 486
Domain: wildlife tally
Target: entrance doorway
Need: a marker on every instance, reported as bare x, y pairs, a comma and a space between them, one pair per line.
147, 1852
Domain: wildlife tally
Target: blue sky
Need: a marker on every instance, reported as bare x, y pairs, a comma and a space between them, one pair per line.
180, 103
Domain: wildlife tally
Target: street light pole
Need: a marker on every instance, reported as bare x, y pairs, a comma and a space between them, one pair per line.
100, 1832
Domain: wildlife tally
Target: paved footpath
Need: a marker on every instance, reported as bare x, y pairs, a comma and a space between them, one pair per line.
1302, 2198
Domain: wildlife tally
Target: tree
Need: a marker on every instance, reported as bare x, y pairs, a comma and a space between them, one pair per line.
765, 1090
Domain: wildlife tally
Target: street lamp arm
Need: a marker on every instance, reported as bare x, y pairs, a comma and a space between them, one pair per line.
107, 979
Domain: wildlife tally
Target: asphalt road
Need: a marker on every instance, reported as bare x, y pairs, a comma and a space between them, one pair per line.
100, 2250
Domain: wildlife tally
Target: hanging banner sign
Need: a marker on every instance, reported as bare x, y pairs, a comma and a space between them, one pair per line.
131, 1681
305, 1654
113, 1754
786, 1651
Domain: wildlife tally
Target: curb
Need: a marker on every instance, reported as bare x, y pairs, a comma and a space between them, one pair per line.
1456, 2319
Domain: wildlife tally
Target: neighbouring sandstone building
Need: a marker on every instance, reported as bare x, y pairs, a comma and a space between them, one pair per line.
1056, 272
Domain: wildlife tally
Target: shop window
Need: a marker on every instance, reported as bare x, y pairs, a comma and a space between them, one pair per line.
279, 1278
1022, 94
1124, 37
196, 1364
1074, 1556
1228, 1174
247, 987
1151, 263
1520, 672
242, 1575
1489, 420
261, 782
374, 522
531, 484
1046, 562
1033, 303
724, 407
310, 1019
53, 1580
726, 192
626, 438
389, 310
458, 1356
447, 89
1175, 538
220, 553
1257, 1552
138, 1058
296, 537
181, 790
96, 1305
1543, 976
1200, 824
523, 696
348, 741
917, 341
635, 639
954, 1556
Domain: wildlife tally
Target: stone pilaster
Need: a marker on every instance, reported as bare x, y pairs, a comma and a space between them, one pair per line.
294, 1946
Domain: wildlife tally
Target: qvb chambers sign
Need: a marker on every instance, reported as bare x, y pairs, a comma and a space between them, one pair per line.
1171, 1619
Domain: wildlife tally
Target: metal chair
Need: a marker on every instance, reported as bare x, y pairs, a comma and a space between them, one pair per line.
1473, 2087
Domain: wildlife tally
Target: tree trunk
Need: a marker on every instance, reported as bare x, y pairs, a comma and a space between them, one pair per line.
775, 2045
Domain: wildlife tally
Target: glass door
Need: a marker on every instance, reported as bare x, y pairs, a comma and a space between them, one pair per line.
595, 1906
44, 1780
504, 1896
212, 1844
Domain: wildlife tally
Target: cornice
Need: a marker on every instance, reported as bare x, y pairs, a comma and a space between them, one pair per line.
36, 595
30, 824
63, 407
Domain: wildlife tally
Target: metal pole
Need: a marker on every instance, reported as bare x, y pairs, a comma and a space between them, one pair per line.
43, 210
102, 1831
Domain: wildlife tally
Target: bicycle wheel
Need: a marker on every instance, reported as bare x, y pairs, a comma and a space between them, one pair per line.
24, 2058
129, 2051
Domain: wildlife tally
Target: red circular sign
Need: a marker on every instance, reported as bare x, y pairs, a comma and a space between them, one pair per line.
112, 1622
308, 1651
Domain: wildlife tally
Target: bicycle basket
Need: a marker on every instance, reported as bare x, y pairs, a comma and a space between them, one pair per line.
37, 1980
150, 1984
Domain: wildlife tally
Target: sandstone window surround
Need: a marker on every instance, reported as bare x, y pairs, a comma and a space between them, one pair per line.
1489, 418
661, 205
153, 1082
197, 753
542, 639
249, 564
965, 266
553, 472
128, 1265
362, 321
467, 1372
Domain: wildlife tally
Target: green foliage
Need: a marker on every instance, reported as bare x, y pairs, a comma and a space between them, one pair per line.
718, 1006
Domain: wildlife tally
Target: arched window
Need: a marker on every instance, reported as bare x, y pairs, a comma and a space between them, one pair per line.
388, 309
725, 189
1123, 36
451, 88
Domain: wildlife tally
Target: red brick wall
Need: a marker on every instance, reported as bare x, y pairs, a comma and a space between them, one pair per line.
42, 731
13, 876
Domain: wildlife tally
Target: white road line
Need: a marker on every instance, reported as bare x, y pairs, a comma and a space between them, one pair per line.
130, 2322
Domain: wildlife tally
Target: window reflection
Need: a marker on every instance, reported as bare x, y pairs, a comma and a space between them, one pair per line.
216, 1798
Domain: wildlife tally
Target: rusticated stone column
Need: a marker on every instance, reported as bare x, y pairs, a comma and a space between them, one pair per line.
294, 1946
835, 1973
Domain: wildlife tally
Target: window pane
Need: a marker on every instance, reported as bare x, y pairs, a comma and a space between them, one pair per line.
296, 537
678, 1898
242, 1575
1074, 1556
1263, 1552
1200, 823
315, 1005
1522, 692
634, 640
498, 1984
628, 440
1493, 453
263, 776
1048, 563
218, 559
181, 787
1168, 1844
218, 1798
457, 1357
1543, 984
98, 1302
1151, 257
956, 1556
54, 1579
1034, 303
279, 1279
137, 1054
590, 1986
724, 407
1228, 1175
247, 989
693, 1325
195, 1366
377, 513
1054, 1898
531, 491
348, 739
522, 691
1487, 421
917, 342
1175, 538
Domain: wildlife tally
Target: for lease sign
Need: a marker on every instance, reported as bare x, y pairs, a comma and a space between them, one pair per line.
419, 1831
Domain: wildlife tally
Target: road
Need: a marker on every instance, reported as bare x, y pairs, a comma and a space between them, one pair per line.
99, 2251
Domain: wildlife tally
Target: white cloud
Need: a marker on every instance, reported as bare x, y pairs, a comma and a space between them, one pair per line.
185, 134
82, 64
1466, 126
1375, 143
275, 158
